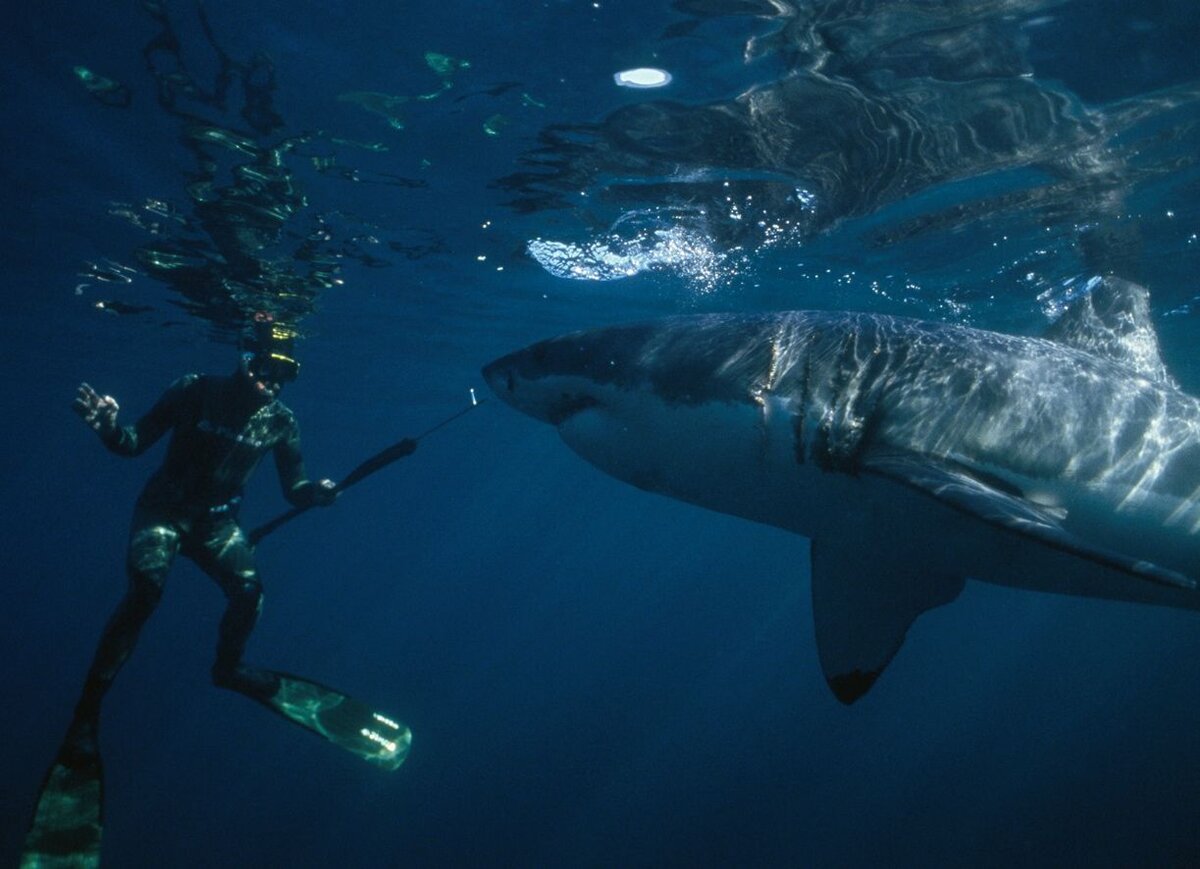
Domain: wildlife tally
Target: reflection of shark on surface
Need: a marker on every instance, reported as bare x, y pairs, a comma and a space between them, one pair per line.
879, 102
912, 454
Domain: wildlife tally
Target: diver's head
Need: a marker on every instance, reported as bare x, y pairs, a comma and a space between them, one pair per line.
267, 360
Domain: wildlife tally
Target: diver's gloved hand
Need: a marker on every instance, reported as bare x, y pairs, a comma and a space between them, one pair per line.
318, 493
98, 411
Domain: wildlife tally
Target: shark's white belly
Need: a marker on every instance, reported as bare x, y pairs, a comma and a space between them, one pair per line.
741, 459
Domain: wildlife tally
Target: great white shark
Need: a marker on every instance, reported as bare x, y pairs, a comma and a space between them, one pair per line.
912, 454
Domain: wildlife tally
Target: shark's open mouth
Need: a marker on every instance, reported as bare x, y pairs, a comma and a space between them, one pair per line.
567, 406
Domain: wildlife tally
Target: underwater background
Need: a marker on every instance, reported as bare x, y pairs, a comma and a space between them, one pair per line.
594, 676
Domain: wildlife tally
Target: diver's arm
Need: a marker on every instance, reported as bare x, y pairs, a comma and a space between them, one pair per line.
100, 413
297, 488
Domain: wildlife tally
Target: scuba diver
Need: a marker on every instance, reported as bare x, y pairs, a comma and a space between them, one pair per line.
221, 426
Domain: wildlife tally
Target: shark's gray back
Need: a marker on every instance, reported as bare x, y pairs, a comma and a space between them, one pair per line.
1090, 408
1037, 407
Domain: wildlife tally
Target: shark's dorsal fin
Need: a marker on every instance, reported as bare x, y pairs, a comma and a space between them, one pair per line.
1112, 319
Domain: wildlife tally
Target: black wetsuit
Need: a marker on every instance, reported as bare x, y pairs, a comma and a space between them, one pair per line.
220, 431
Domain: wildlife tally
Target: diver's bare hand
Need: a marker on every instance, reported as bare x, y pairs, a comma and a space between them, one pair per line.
98, 411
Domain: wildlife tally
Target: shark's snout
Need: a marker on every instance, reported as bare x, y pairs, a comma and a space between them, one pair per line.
523, 381
500, 376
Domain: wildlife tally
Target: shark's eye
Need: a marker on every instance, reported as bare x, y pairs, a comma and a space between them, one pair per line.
511, 382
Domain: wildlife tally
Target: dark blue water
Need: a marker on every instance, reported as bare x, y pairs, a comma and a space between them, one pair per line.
594, 675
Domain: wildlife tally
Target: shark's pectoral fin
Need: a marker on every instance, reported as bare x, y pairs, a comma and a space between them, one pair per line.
864, 599
998, 504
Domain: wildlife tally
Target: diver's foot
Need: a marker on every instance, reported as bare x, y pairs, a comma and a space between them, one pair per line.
81, 746
259, 684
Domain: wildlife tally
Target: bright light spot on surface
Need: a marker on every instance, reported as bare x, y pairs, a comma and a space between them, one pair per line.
643, 77
609, 258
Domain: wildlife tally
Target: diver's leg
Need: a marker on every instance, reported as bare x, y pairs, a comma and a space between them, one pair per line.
224, 553
153, 543
67, 823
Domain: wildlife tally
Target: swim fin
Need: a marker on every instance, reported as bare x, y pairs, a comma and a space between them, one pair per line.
344, 721
68, 819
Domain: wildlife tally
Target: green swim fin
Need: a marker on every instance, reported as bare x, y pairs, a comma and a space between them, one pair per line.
65, 833
344, 721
